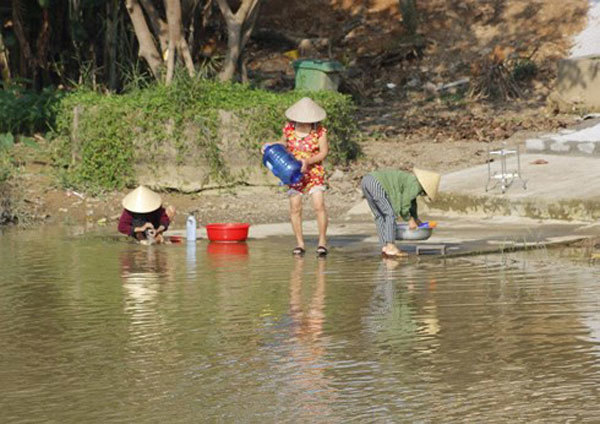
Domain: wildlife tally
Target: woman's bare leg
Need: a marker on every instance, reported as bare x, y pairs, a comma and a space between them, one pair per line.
296, 218
318, 201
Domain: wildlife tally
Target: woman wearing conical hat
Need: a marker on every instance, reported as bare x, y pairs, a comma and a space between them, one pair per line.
305, 137
392, 193
144, 217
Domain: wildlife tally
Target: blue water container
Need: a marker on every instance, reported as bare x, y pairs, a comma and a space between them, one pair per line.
282, 164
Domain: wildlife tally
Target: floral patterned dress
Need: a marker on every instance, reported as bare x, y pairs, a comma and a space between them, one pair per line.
304, 148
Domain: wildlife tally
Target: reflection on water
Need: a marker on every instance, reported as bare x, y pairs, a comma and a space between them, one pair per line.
308, 380
98, 330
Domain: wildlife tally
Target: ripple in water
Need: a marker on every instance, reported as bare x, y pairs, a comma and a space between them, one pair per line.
97, 330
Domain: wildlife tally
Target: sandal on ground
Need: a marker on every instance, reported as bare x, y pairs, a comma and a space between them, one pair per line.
298, 251
322, 251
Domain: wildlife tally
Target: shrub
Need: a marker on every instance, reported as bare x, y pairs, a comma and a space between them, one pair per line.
6, 164
25, 112
524, 70
101, 154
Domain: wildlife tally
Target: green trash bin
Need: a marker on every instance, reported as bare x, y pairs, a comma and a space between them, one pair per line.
315, 74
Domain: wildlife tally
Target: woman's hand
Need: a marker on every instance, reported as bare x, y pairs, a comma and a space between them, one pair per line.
412, 224
304, 165
264, 146
146, 226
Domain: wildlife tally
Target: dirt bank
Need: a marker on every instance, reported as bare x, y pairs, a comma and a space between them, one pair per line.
40, 198
404, 121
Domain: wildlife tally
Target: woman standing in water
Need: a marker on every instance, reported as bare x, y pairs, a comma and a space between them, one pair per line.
305, 138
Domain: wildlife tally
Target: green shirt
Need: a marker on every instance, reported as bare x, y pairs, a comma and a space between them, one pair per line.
402, 189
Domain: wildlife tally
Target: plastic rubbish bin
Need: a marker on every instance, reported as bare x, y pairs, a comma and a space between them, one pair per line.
315, 74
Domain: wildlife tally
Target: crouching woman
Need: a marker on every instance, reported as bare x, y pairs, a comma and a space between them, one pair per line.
392, 193
143, 217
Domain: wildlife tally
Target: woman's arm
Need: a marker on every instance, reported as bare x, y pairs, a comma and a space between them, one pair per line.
413, 221
164, 222
126, 223
281, 141
319, 157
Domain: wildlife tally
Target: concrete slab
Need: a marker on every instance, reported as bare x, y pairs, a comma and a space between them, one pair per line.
460, 235
582, 141
566, 187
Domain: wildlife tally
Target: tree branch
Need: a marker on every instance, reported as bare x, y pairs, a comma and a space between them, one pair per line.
249, 22
159, 26
225, 10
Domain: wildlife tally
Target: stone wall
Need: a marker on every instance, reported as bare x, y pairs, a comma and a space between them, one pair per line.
186, 166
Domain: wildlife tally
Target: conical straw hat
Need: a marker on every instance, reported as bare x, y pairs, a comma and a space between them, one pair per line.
429, 180
305, 111
142, 200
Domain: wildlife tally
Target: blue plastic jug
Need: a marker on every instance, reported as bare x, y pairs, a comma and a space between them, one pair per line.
282, 164
190, 229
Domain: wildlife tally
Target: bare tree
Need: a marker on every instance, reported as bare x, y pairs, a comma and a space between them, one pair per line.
148, 50
154, 33
176, 39
159, 26
239, 29
4, 68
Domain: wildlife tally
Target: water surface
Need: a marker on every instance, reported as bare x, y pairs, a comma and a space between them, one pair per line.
95, 329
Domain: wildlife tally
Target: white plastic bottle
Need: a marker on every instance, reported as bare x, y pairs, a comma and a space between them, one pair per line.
190, 228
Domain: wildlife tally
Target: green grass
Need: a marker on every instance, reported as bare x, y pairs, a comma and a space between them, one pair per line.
111, 126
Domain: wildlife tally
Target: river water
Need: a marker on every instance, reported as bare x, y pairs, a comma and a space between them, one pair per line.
95, 329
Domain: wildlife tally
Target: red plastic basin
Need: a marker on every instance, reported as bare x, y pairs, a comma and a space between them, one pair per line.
227, 232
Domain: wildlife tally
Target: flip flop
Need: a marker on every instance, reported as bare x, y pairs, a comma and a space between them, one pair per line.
322, 251
298, 251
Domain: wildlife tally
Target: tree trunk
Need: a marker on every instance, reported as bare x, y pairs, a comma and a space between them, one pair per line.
159, 26
147, 49
170, 62
184, 50
4, 66
112, 28
24, 47
247, 32
232, 56
239, 29
43, 40
176, 39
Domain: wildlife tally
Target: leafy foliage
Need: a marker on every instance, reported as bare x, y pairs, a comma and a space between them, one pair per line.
7, 142
25, 111
524, 70
101, 152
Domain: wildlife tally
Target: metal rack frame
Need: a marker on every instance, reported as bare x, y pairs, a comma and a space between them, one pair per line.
504, 178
